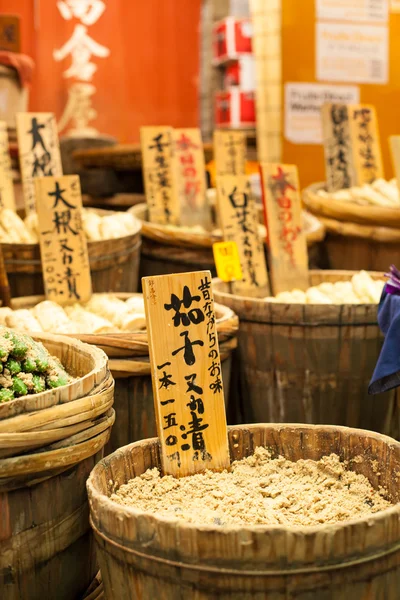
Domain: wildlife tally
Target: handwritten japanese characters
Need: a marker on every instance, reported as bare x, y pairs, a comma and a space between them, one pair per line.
159, 175
39, 152
288, 259
230, 152
63, 246
186, 372
395, 150
337, 147
367, 157
188, 156
238, 216
227, 261
7, 199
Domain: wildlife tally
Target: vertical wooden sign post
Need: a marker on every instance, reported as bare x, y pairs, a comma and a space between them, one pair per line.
159, 175
339, 166
186, 373
39, 152
188, 156
395, 149
229, 152
288, 258
63, 245
238, 216
366, 148
7, 199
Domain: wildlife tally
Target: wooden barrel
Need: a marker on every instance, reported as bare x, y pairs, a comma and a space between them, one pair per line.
129, 364
304, 363
49, 443
114, 265
145, 557
166, 250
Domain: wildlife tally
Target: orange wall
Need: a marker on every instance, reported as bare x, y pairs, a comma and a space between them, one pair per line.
150, 77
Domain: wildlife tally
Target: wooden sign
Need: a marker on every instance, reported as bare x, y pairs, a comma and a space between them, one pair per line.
229, 152
39, 152
227, 261
188, 157
238, 215
339, 166
288, 259
395, 149
159, 176
186, 372
7, 199
63, 245
365, 142
10, 36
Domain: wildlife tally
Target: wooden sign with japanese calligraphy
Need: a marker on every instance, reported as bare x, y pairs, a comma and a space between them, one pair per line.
39, 152
7, 199
188, 157
10, 35
339, 167
238, 215
159, 175
395, 149
288, 258
186, 372
63, 245
229, 152
365, 143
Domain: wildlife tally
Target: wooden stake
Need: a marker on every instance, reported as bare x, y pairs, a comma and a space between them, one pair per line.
159, 175
395, 149
238, 215
63, 246
365, 142
229, 152
339, 167
7, 199
186, 373
189, 165
288, 259
39, 152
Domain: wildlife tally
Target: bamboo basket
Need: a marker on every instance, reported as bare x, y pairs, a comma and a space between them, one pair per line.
130, 366
114, 265
49, 443
166, 250
349, 211
146, 557
310, 363
354, 246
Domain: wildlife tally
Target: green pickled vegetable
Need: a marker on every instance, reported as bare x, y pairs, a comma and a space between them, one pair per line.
39, 384
19, 345
6, 395
28, 365
13, 366
41, 357
19, 387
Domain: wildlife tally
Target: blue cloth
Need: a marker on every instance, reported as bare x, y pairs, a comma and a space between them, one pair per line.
387, 371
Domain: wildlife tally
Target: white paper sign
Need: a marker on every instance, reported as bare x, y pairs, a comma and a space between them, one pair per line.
376, 11
355, 53
303, 103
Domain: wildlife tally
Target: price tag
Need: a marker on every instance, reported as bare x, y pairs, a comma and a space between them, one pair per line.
63, 246
7, 199
188, 157
365, 142
288, 258
159, 175
229, 152
339, 167
39, 152
227, 261
186, 373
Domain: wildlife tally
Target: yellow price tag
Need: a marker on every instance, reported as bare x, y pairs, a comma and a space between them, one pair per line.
226, 257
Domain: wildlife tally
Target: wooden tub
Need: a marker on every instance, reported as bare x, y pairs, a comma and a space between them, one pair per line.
310, 363
145, 557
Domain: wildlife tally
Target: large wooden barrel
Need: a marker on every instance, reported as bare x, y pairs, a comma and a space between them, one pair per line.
114, 265
143, 557
173, 250
129, 364
310, 363
48, 445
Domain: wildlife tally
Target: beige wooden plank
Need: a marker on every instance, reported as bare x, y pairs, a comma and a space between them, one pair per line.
7, 198
229, 152
339, 169
366, 147
186, 372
